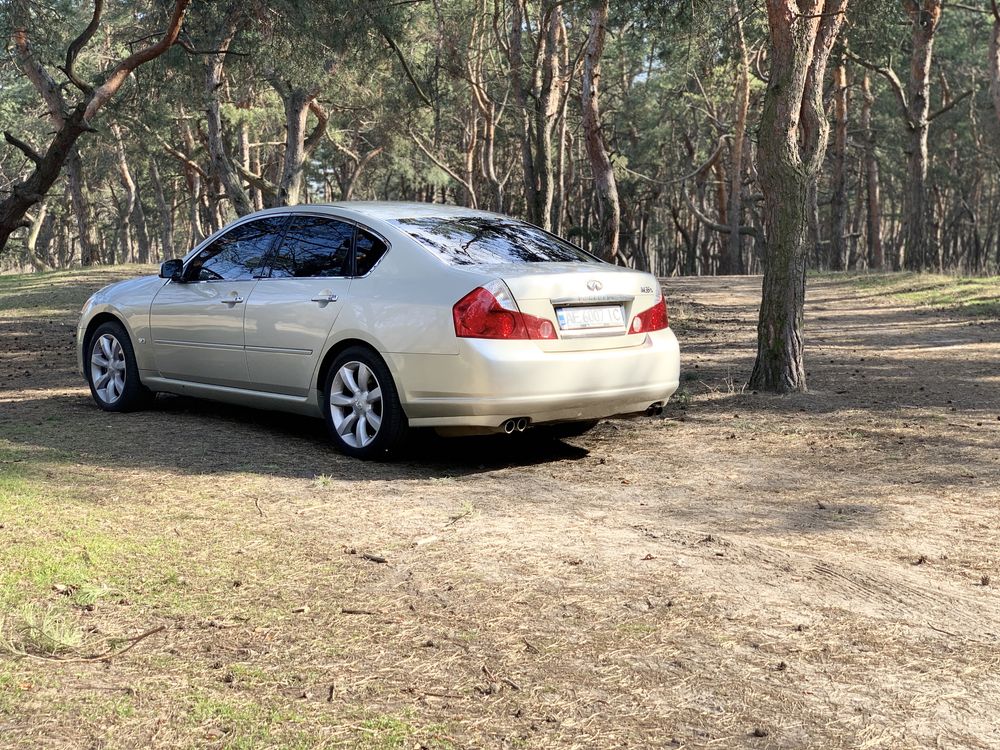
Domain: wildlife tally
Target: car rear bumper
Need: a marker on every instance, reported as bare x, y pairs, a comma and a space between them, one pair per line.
490, 382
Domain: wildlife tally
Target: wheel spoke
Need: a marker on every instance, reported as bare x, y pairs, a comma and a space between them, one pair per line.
364, 374
117, 385
374, 420
98, 361
344, 428
102, 379
105, 343
375, 396
347, 376
341, 399
361, 433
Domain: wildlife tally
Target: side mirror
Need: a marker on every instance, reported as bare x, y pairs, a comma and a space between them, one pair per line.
172, 269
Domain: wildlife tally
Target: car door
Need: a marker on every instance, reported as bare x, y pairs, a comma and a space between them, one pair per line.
197, 322
294, 307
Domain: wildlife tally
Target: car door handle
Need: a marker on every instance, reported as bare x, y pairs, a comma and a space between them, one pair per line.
231, 300
325, 298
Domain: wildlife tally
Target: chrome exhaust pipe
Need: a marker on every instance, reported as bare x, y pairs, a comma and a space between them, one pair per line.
522, 424
509, 426
655, 410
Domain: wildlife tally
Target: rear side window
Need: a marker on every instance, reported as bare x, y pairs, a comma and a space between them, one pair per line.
238, 254
314, 247
369, 250
475, 240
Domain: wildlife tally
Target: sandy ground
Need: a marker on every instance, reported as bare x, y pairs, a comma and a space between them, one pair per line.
752, 571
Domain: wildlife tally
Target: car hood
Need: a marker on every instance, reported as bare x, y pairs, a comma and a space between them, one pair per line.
131, 289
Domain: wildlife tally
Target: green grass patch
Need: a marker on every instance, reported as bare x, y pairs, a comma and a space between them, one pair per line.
972, 296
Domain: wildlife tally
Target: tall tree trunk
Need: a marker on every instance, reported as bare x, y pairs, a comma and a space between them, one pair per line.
994, 61
925, 17
876, 250
298, 103
606, 188
222, 167
127, 208
81, 209
732, 256
838, 204
546, 108
793, 139
166, 215
516, 51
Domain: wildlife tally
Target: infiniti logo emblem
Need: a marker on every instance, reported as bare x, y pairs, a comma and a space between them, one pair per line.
594, 285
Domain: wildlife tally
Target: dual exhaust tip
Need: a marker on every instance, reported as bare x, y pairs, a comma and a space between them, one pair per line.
515, 425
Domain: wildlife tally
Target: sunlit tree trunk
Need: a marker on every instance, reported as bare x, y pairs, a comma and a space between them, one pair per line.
793, 137
605, 186
838, 203
925, 17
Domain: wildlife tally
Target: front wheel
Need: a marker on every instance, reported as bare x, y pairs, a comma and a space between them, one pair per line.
361, 405
112, 371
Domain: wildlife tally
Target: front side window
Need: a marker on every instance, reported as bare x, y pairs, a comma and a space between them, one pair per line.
314, 246
475, 240
238, 254
368, 250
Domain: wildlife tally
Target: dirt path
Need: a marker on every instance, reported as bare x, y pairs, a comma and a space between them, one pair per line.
750, 571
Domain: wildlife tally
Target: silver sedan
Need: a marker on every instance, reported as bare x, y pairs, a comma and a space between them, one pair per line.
379, 317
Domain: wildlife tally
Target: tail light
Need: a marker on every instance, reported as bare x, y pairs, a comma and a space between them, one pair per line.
489, 312
653, 319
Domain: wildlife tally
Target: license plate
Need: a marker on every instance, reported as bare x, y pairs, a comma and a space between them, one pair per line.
583, 318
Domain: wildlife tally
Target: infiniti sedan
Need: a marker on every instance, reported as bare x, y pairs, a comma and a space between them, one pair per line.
380, 317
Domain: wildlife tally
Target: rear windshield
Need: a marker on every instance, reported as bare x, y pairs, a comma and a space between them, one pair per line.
474, 240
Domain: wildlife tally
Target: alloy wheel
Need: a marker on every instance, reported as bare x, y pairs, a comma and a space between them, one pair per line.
356, 404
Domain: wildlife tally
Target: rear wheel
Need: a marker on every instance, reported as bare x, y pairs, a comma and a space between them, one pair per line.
112, 372
361, 405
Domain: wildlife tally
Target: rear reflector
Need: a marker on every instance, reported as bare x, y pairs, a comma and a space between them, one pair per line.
653, 319
489, 312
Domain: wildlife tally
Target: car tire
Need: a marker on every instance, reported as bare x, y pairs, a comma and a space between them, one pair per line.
565, 430
112, 372
361, 405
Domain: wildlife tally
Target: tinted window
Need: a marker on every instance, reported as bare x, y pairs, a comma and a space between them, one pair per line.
314, 246
368, 250
464, 241
238, 254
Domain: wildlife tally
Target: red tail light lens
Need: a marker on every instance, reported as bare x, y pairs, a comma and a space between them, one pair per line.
490, 313
653, 319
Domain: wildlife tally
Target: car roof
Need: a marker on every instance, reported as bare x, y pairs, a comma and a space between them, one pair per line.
384, 210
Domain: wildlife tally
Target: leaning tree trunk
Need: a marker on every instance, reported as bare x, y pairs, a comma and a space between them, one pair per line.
37, 261
925, 17
609, 209
72, 121
793, 139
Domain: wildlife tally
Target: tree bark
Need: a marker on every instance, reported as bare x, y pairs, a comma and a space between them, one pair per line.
166, 215
605, 185
838, 204
994, 61
732, 257
876, 250
222, 166
925, 17
36, 260
793, 139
